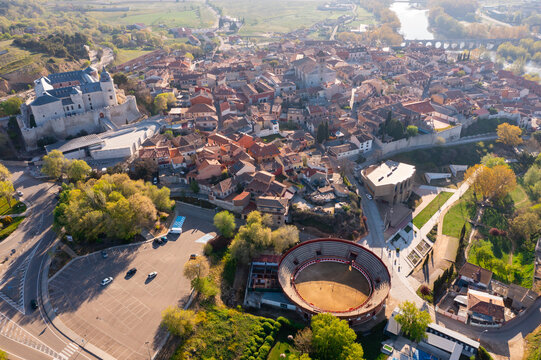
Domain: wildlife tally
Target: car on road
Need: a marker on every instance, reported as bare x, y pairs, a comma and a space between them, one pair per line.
131, 272
106, 281
152, 275
369, 197
104, 254
20, 193
193, 256
163, 239
155, 181
34, 304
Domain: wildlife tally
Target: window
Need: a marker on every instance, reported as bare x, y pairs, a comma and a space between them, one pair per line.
79, 106
110, 97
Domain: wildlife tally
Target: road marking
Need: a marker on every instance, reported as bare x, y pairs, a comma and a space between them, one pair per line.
68, 351
204, 239
12, 331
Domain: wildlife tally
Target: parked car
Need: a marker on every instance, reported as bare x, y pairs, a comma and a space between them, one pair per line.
152, 275
20, 193
164, 239
155, 181
34, 304
369, 197
131, 272
106, 281
104, 254
193, 256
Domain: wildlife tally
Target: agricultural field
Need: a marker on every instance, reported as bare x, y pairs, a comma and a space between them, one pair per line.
169, 14
277, 15
14, 58
125, 55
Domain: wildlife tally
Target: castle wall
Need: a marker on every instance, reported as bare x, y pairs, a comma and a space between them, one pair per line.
89, 121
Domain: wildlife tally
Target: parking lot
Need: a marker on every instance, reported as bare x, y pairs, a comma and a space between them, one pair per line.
123, 317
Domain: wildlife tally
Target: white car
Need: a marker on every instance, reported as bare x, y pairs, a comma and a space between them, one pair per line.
106, 281
152, 275
369, 197
20, 193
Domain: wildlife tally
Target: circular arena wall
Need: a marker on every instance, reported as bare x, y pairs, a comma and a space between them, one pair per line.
334, 276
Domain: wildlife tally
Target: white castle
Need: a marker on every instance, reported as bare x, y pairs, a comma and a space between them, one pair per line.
70, 102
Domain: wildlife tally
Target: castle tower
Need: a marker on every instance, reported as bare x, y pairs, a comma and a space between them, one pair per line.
108, 88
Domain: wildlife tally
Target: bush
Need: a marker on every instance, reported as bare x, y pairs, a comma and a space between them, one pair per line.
207, 249
269, 339
284, 321
267, 327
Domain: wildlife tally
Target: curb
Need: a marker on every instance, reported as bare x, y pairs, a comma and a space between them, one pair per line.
59, 325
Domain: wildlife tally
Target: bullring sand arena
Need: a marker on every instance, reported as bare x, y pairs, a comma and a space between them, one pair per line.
332, 286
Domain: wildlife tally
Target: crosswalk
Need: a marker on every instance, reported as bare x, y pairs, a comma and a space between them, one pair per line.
68, 351
14, 332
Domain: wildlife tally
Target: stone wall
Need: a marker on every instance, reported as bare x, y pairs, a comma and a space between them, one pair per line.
448, 135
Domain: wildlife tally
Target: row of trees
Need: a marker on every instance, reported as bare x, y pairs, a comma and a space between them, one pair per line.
113, 206
528, 49
6, 186
449, 26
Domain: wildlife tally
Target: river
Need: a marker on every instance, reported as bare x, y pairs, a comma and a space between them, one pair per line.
413, 21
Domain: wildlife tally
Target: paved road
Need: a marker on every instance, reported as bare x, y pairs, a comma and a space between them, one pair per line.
24, 333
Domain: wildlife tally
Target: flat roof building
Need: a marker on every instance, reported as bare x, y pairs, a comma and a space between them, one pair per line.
390, 181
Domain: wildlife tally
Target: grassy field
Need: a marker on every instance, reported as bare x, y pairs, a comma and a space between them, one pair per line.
127, 55
533, 345
189, 14
282, 348
5, 232
520, 198
17, 207
457, 216
276, 15
431, 209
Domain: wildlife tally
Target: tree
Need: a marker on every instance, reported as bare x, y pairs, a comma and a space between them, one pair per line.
225, 223
177, 321
78, 170
251, 239
491, 183
284, 237
196, 268
524, 225
206, 287
509, 134
194, 186
303, 340
331, 336
54, 164
413, 321
492, 160
6, 191
412, 130
4, 173
163, 101
3, 355
11, 106
353, 352
143, 169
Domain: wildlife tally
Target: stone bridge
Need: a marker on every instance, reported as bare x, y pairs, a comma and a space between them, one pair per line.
459, 44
